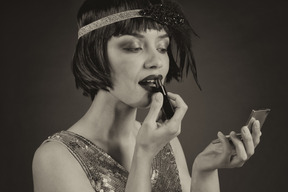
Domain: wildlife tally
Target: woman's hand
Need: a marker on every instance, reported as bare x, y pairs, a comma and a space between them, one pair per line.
229, 154
151, 138
153, 135
224, 153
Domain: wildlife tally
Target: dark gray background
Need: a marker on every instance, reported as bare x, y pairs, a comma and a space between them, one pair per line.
241, 56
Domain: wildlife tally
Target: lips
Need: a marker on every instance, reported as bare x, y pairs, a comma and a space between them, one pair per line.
149, 82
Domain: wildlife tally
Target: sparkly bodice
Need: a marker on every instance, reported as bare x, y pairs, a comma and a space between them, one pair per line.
107, 175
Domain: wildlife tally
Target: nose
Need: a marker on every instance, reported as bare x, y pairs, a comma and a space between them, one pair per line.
153, 60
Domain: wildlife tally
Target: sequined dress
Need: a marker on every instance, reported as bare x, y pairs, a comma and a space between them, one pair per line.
107, 175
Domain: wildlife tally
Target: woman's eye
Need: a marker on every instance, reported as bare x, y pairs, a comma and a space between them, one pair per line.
132, 49
162, 50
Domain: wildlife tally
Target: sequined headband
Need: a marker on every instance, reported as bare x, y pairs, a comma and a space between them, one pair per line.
160, 13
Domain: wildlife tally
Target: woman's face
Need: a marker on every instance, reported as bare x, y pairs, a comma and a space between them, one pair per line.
133, 59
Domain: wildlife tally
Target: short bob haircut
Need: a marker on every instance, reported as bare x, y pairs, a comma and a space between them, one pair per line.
90, 63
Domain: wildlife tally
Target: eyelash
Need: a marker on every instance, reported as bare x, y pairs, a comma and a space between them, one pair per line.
137, 49
134, 50
162, 50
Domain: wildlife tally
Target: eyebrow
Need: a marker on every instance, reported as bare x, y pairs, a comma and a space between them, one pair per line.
163, 36
138, 35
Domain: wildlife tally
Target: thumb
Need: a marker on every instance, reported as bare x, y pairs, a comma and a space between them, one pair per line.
155, 107
221, 137
227, 147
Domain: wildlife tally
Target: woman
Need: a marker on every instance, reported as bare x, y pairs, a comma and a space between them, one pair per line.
124, 47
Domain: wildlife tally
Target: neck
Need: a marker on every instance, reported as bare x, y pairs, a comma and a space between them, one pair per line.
108, 118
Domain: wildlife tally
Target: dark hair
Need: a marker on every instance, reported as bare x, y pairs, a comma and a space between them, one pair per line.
90, 64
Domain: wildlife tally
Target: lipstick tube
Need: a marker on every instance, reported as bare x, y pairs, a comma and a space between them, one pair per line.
167, 108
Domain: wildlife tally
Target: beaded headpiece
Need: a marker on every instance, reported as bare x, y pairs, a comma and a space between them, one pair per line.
160, 13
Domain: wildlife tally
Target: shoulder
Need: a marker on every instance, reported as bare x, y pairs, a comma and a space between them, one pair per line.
48, 151
50, 154
55, 169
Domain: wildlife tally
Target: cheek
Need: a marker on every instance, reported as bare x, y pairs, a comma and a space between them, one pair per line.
124, 74
166, 66
123, 66
125, 78
121, 71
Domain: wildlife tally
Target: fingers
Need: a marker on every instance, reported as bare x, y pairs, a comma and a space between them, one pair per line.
180, 106
241, 156
238, 151
245, 148
248, 141
256, 133
155, 108
251, 140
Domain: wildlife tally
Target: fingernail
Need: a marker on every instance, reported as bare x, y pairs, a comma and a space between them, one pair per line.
232, 133
220, 134
245, 130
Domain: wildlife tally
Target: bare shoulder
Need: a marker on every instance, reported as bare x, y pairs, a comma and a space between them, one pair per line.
55, 169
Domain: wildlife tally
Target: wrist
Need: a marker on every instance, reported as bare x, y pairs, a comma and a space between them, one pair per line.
141, 155
204, 179
140, 172
202, 174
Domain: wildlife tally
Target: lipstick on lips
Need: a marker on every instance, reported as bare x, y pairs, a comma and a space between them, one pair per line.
149, 83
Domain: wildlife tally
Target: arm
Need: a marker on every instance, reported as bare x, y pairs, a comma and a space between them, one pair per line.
204, 181
139, 175
201, 180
